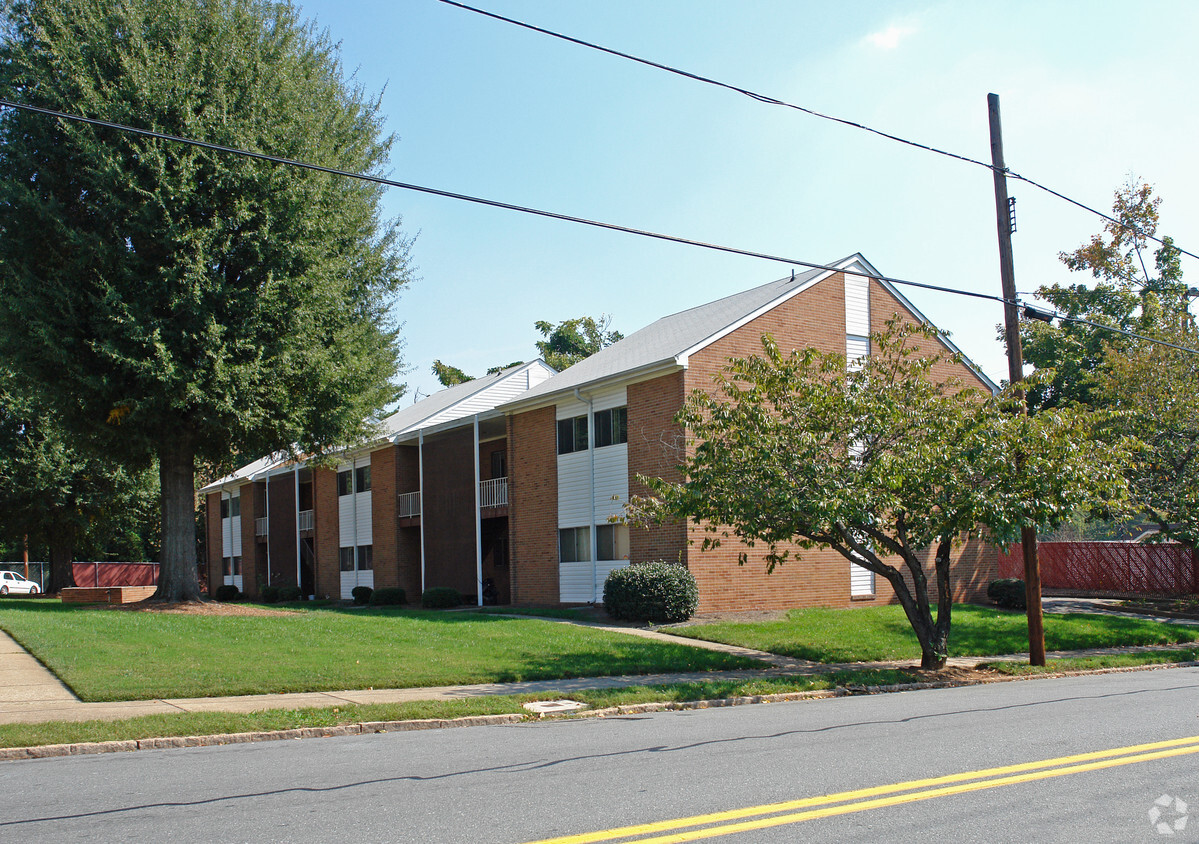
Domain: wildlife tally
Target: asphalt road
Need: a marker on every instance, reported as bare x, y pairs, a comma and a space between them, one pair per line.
692, 776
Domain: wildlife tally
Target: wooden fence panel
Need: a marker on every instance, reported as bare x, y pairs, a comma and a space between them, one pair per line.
1164, 568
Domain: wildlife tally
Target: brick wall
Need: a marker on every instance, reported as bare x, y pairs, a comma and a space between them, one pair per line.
212, 532
326, 533
449, 512
384, 524
655, 441
283, 529
251, 570
408, 568
818, 577
533, 506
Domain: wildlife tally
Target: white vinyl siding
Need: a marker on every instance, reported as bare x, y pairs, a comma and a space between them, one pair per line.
857, 305
574, 580
861, 581
857, 349
487, 399
354, 526
576, 505
231, 540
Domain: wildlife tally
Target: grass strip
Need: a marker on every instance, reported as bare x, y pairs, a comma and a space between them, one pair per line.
1090, 663
882, 633
215, 723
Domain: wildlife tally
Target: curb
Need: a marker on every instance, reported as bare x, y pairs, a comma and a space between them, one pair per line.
12, 754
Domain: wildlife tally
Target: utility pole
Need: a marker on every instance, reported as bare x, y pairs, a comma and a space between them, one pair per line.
1015, 363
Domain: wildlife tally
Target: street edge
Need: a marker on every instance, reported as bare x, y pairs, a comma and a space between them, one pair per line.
13, 754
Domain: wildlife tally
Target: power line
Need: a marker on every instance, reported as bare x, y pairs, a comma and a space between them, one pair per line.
553, 215
763, 98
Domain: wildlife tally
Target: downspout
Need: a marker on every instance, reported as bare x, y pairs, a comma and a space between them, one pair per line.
478, 522
591, 456
420, 467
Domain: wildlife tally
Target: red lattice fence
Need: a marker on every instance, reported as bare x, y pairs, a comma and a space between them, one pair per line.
1109, 566
116, 574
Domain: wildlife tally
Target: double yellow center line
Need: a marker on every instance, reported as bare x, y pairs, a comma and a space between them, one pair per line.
698, 827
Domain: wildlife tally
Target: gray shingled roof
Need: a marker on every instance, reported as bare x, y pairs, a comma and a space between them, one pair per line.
411, 416
668, 337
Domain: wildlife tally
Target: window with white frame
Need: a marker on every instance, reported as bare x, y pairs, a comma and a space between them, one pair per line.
574, 544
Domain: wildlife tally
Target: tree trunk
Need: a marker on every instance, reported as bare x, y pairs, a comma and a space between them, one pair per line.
934, 641
62, 556
176, 472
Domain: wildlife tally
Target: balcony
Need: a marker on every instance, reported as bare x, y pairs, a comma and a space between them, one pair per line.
408, 505
304, 520
493, 493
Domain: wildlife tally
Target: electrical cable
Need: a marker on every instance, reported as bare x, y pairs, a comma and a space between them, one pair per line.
763, 98
305, 165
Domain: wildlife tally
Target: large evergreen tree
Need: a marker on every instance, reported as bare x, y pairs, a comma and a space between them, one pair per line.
182, 303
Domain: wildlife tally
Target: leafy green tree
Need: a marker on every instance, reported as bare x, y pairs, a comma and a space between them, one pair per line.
1126, 294
180, 303
565, 344
450, 375
1157, 389
65, 498
573, 340
884, 464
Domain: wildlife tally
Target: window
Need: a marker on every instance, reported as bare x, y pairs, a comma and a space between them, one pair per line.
574, 545
572, 435
365, 557
346, 556
235, 506
612, 542
499, 464
345, 482
611, 426
224, 508
227, 565
362, 479
236, 565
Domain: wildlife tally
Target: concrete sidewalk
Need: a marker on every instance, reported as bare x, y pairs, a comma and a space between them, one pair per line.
29, 693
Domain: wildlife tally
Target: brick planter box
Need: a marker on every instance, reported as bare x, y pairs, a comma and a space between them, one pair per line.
106, 594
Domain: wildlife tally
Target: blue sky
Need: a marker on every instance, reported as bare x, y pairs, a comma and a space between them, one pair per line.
1090, 92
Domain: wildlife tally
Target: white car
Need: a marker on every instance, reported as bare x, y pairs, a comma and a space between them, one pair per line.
12, 583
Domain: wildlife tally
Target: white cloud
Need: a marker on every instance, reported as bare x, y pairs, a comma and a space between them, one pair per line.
889, 38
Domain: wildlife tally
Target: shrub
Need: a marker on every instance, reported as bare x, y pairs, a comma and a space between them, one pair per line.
1008, 593
290, 593
440, 598
227, 592
388, 596
658, 592
361, 595
269, 594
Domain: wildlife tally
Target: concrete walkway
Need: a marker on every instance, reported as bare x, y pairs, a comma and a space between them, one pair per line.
29, 693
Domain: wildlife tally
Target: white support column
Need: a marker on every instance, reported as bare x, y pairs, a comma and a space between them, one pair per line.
478, 523
354, 505
420, 468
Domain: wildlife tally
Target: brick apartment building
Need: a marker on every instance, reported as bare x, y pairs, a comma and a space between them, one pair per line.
515, 478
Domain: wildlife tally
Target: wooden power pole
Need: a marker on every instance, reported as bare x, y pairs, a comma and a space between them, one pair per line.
1015, 362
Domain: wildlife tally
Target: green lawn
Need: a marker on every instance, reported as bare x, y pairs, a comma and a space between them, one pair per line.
877, 633
111, 655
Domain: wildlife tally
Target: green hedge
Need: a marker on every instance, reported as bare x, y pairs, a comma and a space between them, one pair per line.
361, 595
658, 592
1008, 593
440, 598
227, 592
388, 596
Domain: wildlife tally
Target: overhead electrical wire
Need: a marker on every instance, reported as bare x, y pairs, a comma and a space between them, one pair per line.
763, 98
553, 215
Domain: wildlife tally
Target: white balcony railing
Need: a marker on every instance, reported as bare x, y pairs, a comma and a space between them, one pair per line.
260, 526
304, 520
493, 493
408, 505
